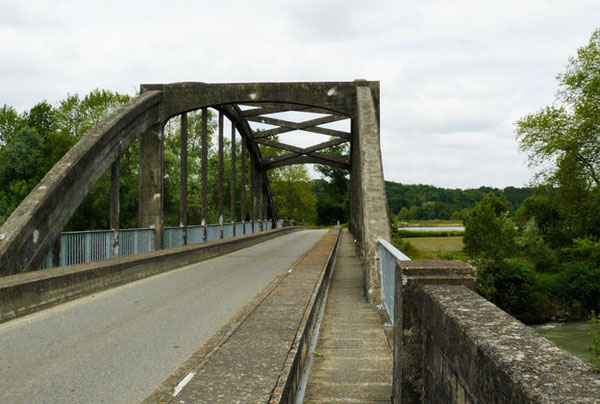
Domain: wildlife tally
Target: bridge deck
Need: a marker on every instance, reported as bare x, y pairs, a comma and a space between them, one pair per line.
356, 362
118, 345
251, 361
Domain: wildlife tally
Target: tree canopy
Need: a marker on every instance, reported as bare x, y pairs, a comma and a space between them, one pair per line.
569, 129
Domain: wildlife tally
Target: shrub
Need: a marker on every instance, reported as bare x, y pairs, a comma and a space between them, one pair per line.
512, 285
405, 247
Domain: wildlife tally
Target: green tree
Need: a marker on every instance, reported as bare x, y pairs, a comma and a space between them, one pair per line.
489, 232
19, 169
10, 123
292, 193
571, 126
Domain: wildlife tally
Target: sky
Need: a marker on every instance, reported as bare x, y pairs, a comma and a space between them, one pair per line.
455, 75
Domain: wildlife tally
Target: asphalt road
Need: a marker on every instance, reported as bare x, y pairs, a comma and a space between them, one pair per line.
117, 346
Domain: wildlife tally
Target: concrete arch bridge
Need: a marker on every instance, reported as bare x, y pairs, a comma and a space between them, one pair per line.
36, 224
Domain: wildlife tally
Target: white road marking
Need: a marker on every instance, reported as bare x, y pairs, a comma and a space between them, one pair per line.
182, 383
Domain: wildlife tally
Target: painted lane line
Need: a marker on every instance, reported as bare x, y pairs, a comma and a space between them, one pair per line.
182, 383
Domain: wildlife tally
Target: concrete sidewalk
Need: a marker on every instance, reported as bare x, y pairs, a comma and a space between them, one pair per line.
356, 365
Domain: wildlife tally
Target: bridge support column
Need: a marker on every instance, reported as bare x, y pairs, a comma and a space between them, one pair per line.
369, 215
232, 186
257, 195
252, 195
184, 177
220, 176
204, 168
115, 205
151, 180
243, 187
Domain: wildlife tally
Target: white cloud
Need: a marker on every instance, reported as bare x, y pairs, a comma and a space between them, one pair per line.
454, 75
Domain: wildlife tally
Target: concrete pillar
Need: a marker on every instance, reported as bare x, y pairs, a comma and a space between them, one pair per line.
233, 176
204, 168
184, 176
265, 206
369, 201
115, 172
260, 199
56, 253
220, 178
409, 350
253, 199
243, 186
151, 180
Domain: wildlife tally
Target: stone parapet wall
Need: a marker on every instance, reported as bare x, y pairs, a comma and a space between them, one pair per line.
454, 346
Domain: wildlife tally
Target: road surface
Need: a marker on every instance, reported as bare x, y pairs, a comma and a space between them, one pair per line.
117, 346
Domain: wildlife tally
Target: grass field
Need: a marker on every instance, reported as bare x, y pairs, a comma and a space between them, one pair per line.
437, 247
431, 223
436, 243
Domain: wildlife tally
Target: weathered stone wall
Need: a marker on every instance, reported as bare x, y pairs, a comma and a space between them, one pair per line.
453, 346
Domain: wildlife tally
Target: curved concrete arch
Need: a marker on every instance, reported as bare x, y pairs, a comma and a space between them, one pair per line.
32, 228
178, 98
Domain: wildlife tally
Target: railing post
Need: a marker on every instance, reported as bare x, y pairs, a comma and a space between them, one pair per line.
87, 239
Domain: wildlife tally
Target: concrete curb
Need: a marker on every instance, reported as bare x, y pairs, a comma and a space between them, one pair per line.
29, 292
289, 380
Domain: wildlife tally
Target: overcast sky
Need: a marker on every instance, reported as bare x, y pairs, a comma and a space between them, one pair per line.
455, 75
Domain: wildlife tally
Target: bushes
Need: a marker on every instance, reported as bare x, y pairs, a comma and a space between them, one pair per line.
521, 273
512, 285
405, 247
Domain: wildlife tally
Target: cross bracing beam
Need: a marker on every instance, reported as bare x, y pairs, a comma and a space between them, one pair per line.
301, 150
323, 158
289, 126
313, 158
273, 108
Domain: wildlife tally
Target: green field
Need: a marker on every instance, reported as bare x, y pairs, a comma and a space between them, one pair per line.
436, 248
436, 243
431, 223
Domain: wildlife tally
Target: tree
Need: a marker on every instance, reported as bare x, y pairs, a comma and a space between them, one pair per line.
563, 140
489, 232
10, 123
333, 198
19, 169
569, 129
292, 193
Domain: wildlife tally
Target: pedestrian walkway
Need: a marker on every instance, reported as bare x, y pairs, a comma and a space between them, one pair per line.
353, 361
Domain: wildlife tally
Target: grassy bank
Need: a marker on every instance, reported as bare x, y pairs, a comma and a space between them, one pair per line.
445, 248
431, 223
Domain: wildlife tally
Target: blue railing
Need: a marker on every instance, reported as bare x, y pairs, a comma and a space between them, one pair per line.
77, 247
387, 255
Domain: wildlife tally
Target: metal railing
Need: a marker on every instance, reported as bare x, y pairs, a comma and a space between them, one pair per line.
387, 255
77, 247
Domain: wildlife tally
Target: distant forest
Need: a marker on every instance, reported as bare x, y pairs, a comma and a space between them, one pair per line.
426, 202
